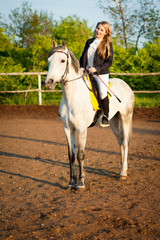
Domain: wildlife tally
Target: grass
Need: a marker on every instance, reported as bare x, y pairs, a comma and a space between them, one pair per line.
147, 100
141, 99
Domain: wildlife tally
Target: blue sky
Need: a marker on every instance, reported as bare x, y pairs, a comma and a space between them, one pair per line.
84, 9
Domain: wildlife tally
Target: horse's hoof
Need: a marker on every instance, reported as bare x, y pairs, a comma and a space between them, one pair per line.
123, 177
71, 185
80, 185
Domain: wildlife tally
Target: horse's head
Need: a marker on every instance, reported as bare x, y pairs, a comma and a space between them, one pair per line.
58, 59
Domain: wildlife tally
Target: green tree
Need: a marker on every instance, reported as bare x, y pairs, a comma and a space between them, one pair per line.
148, 24
74, 32
38, 53
149, 61
133, 20
7, 64
25, 22
4, 42
145, 60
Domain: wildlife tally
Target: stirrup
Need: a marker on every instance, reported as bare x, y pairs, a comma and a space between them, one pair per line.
104, 122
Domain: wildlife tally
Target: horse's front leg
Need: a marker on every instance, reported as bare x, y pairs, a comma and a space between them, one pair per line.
70, 135
81, 156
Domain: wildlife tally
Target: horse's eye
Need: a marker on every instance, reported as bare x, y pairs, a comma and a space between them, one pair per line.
62, 61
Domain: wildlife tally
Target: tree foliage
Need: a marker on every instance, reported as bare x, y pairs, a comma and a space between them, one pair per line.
25, 22
24, 47
133, 19
74, 32
146, 60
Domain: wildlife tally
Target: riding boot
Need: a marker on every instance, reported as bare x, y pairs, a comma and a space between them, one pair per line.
105, 108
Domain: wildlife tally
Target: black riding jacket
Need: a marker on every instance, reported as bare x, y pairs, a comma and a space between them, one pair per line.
101, 65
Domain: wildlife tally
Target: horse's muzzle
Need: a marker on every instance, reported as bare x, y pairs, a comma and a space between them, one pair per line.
50, 81
50, 84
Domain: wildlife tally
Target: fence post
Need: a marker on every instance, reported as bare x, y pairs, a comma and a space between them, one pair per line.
39, 88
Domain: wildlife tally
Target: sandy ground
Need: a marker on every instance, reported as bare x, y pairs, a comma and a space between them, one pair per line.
34, 173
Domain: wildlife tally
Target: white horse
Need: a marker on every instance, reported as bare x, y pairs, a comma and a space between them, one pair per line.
77, 113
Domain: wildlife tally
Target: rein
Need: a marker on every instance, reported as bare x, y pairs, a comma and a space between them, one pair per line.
82, 76
67, 71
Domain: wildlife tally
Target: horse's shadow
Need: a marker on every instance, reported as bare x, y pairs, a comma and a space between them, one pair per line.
89, 170
155, 132
102, 172
97, 171
33, 179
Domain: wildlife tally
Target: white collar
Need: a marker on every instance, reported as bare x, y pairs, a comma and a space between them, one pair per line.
95, 43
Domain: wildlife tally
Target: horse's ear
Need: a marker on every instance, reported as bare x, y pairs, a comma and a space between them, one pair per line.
63, 44
53, 44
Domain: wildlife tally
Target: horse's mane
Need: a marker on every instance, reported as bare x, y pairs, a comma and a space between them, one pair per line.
74, 60
55, 49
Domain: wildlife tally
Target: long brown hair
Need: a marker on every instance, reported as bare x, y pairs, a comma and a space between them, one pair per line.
105, 41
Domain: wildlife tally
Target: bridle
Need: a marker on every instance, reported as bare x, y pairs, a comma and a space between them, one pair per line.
63, 81
67, 71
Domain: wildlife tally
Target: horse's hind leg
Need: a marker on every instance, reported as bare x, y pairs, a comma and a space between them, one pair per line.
121, 127
126, 130
81, 155
70, 135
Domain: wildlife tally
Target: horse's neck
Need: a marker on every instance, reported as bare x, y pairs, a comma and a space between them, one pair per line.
74, 89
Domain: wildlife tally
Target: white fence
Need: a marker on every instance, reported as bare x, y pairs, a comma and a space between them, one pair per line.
40, 91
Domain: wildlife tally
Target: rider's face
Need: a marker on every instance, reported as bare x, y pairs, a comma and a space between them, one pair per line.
100, 31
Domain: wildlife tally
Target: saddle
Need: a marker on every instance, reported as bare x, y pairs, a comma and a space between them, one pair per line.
94, 93
95, 89
95, 98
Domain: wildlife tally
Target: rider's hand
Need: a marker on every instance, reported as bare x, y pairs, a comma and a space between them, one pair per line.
92, 70
82, 69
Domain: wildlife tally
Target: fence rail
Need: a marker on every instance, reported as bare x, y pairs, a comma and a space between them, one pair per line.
40, 91
136, 74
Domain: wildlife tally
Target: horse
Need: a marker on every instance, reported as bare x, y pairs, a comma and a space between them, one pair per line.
77, 113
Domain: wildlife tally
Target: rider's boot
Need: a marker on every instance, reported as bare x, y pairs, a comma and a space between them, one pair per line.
105, 108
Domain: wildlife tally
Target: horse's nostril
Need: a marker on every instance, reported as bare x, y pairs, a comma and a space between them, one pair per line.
50, 81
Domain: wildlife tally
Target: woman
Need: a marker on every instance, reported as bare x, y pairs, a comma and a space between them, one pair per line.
97, 58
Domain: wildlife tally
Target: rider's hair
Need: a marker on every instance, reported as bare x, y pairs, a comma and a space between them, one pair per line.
105, 41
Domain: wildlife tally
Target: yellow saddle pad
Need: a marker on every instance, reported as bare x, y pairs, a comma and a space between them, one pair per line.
94, 101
